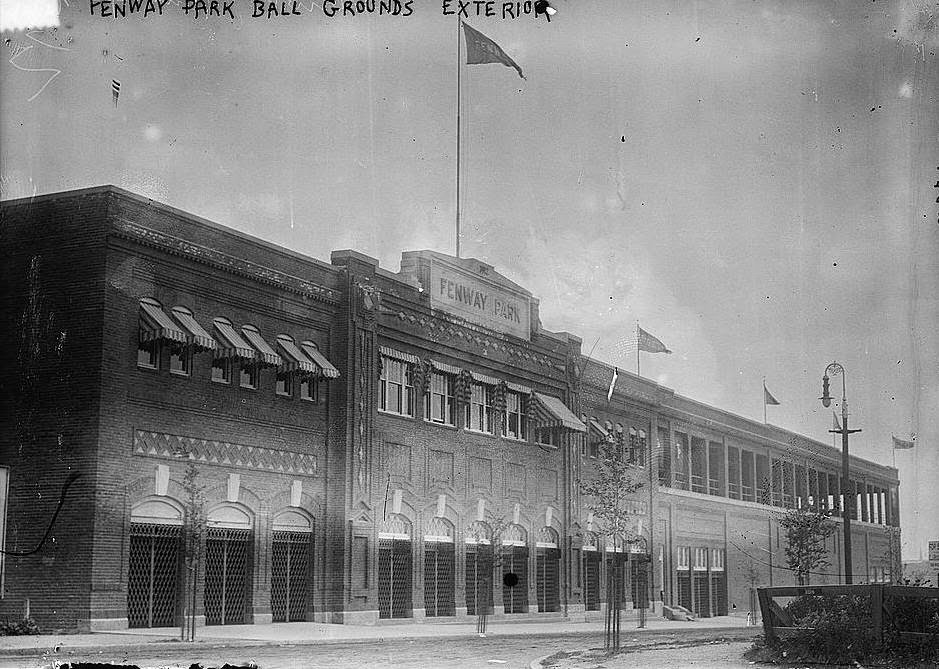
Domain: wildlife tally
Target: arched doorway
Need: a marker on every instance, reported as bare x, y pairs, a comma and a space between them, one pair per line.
592, 559
291, 565
479, 563
394, 568
515, 569
154, 563
229, 543
547, 559
439, 566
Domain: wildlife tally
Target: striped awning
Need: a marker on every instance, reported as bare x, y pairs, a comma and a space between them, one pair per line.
198, 337
294, 360
398, 355
326, 367
552, 413
482, 378
268, 356
518, 388
155, 325
445, 368
233, 346
598, 429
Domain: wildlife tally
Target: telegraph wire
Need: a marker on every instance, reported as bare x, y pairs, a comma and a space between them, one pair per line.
71, 479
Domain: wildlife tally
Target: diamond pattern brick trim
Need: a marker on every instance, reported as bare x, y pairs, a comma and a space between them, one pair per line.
161, 445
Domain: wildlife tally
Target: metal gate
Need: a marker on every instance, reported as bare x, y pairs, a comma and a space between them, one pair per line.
478, 579
153, 575
439, 566
227, 575
702, 596
546, 576
394, 578
684, 589
290, 575
592, 580
639, 582
515, 561
719, 594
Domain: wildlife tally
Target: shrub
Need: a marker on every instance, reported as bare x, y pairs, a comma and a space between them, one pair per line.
18, 627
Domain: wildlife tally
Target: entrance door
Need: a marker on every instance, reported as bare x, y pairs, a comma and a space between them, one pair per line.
684, 588
227, 576
718, 593
702, 594
153, 571
546, 574
592, 580
394, 578
478, 579
515, 572
290, 575
438, 579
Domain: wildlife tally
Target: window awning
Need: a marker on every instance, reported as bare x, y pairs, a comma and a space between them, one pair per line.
518, 388
445, 368
233, 346
482, 378
598, 429
156, 325
399, 355
198, 337
327, 368
556, 414
294, 360
268, 356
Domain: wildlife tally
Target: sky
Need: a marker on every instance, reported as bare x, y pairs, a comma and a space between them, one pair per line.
751, 181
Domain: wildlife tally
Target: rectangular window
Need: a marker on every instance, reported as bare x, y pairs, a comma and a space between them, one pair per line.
439, 403
748, 486
397, 389
516, 420
221, 370
148, 353
641, 447
681, 460
4, 488
181, 360
733, 472
664, 457
249, 375
479, 411
701, 559
309, 390
284, 386
684, 557
717, 559
546, 436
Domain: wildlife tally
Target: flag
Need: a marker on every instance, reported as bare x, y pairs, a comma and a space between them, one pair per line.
768, 398
609, 393
481, 50
649, 343
902, 444
115, 90
835, 425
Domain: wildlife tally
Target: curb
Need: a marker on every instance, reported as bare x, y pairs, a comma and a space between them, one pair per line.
537, 662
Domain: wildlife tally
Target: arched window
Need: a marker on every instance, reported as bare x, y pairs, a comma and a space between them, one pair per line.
547, 538
395, 527
514, 535
478, 533
439, 529
590, 541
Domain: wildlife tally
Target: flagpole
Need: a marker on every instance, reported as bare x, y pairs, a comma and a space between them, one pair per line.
459, 88
764, 400
637, 348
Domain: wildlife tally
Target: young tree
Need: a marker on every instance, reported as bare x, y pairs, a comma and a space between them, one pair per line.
607, 491
192, 547
806, 533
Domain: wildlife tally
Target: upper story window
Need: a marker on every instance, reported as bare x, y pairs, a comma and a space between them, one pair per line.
641, 449
516, 417
439, 402
684, 557
309, 389
633, 446
148, 352
221, 370
717, 559
285, 383
180, 359
154, 328
397, 387
701, 558
479, 410
248, 374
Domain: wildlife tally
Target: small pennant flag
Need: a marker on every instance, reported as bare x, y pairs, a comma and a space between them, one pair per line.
903, 444
835, 425
650, 344
115, 90
768, 398
481, 50
609, 393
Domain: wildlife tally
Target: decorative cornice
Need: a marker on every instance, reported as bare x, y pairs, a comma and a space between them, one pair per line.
201, 254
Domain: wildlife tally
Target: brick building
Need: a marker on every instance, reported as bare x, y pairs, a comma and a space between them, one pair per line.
348, 444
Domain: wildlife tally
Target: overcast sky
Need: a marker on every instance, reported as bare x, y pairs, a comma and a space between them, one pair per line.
750, 180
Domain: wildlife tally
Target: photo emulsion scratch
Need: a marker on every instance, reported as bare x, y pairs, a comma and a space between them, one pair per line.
448, 333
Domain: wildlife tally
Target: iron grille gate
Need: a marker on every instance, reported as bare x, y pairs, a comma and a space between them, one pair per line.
684, 589
702, 598
719, 594
438, 579
546, 573
515, 561
227, 575
592, 580
478, 579
394, 578
290, 574
639, 583
153, 575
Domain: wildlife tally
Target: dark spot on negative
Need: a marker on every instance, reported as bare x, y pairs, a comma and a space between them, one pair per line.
510, 580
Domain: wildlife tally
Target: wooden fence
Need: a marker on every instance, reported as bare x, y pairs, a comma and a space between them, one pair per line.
884, 608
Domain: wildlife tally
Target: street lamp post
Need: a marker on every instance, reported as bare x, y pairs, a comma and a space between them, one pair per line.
834, 369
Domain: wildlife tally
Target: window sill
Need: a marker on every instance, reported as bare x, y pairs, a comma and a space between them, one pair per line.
178, 373
149, 368
385, 412
284, 395
448, 426
479, 432
251, 388
221, 382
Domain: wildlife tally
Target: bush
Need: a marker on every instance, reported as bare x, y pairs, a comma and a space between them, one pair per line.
18, 627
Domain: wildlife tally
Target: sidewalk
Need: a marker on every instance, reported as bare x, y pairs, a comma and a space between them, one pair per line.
285, 634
